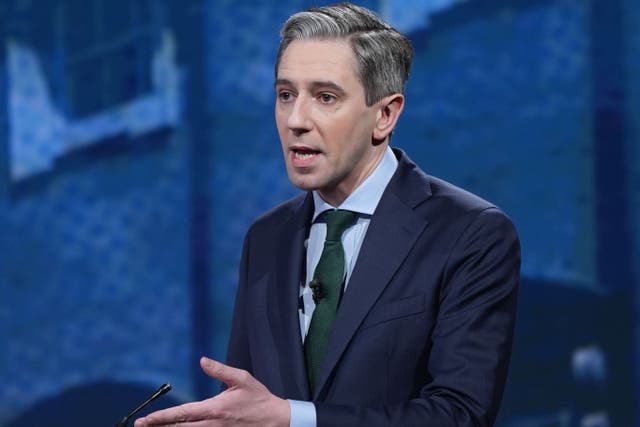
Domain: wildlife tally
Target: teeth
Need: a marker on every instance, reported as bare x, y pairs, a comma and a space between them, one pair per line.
303, 156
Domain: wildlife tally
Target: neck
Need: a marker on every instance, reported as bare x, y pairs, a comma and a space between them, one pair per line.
338, 194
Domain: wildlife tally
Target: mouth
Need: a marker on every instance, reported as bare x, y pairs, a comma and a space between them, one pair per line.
303, 156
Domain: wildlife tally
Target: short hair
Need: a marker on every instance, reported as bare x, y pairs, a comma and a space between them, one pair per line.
382, 53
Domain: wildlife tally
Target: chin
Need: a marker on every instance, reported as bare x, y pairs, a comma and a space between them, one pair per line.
303, 185
303, 182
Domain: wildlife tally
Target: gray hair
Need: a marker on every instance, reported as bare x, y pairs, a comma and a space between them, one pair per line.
382, 53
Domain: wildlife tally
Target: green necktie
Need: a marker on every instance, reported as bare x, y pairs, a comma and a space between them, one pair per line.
327, 287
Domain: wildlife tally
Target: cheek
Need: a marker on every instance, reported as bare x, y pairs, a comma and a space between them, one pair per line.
282, 131
341, 133
281, 116
355, 135
279, 122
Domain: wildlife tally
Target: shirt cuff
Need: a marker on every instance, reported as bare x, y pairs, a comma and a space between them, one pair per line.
303, 414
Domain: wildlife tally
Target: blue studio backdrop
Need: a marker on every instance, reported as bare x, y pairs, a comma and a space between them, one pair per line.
137, 144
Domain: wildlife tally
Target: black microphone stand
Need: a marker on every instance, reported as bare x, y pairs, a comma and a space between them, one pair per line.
162, 390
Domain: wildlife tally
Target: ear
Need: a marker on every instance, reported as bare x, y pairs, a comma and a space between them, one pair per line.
389, 109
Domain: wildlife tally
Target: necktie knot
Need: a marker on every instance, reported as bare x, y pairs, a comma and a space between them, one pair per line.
337, 222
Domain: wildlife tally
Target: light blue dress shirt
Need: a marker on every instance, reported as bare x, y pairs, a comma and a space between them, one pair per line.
363, 201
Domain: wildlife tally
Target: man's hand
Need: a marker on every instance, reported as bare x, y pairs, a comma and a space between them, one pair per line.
246, 402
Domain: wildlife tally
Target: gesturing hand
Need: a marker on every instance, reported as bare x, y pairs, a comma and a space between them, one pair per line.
246, 402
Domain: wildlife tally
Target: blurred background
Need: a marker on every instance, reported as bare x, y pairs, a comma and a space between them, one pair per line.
137, 144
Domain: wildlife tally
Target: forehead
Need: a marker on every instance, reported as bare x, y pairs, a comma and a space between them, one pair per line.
318, 59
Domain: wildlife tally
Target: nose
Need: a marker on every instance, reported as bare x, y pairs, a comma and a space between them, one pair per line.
299, 121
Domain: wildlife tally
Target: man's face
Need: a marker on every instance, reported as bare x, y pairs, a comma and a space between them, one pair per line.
324, 124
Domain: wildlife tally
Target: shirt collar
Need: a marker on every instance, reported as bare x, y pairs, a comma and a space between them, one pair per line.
366, 196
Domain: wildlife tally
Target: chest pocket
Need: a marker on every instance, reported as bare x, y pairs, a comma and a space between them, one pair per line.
394, 310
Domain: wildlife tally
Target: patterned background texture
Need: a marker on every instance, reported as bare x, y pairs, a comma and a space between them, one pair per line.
137, 144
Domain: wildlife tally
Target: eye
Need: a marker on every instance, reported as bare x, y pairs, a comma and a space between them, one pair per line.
327, 98
285, 96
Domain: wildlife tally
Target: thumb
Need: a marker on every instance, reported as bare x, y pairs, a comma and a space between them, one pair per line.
219, 371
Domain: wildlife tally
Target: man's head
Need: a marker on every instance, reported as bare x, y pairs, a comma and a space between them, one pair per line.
340, 75
383, 54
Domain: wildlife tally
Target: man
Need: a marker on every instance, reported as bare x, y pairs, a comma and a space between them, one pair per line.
382, 296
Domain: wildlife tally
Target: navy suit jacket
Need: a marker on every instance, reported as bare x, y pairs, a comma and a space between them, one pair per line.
423, 334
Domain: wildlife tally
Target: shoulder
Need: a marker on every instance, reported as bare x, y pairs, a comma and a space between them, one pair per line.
454, 197
473, 221
417, 188
281, 214
439, 201
468, 210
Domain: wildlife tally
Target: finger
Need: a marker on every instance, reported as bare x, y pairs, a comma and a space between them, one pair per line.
203, 423
228, 375
195, 411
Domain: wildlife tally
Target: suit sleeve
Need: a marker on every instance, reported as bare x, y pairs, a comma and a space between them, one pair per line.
238, 354
471, 342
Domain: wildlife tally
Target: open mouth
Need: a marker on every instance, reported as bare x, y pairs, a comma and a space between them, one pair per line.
302, 156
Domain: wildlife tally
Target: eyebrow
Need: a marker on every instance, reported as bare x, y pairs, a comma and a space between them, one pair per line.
315, 85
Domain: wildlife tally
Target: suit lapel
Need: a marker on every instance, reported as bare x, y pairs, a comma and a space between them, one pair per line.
283, 301
392, 232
